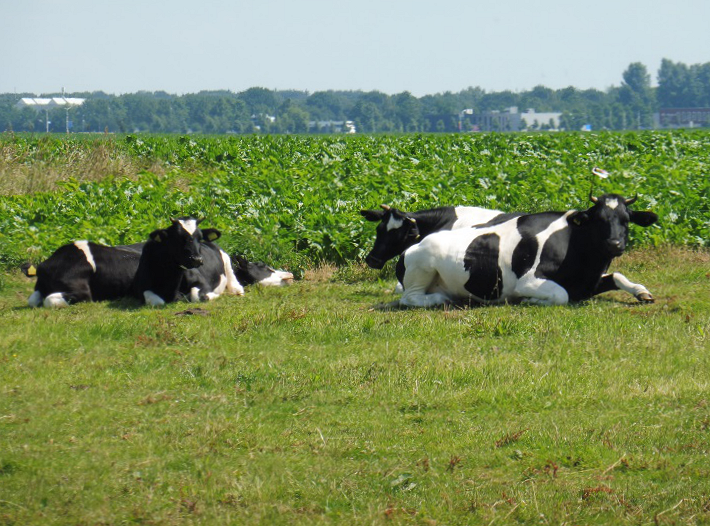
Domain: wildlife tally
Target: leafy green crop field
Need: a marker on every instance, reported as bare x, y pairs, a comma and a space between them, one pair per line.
303, 405
294, 201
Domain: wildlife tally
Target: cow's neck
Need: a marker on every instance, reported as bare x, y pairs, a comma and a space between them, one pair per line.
434, 220
591, 257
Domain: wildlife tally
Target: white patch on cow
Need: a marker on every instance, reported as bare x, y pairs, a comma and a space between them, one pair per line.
626, 285
277, 278
394, 223
233, 285
468, 216
152, 299
55, 300
194, 295
221, 287
612, 203
190, 225
211, 296
434, 273
35, 299
542, 291
84, 247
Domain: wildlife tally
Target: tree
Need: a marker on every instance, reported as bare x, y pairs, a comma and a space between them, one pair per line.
259, 100
637, 96
326, 105
673, 80
408, 111
367, 116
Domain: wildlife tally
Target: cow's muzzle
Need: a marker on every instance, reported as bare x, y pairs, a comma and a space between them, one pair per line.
193, 262
615, 247
374, 262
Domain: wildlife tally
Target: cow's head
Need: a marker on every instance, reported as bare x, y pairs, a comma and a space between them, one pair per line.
249, 273
607, 222
396, 232
183, 240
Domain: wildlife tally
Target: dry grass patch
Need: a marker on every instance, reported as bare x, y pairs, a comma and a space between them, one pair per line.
30, 170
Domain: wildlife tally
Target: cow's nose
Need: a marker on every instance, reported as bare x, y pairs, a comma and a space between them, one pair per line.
374, 262
615, 245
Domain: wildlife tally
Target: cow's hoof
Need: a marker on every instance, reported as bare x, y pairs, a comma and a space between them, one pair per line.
645, 297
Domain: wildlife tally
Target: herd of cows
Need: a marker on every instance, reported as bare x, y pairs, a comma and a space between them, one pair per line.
446, 255
181, 261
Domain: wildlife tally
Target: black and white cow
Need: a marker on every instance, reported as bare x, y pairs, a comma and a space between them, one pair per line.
250, 273
183, 260
550, 258
84, 271
400, 230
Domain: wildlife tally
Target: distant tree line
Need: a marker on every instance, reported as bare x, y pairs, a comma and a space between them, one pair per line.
628, 106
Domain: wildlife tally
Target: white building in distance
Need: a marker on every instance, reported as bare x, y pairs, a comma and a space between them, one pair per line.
46, 104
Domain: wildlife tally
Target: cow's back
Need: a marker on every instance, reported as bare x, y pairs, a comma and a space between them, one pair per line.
115, 271
66, 266
468, 216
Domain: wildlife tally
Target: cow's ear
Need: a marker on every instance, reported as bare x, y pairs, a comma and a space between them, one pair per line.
643, 218
159, 235
373, 215
29, 270
578, 218
413, 230
211, 234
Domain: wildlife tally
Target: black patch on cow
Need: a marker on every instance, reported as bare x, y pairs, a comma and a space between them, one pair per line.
68, 271
524, 256
529, 227
399, 269
499, 219
572, 262
481, 262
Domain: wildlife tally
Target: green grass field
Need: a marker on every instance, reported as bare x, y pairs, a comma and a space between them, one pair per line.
302, 405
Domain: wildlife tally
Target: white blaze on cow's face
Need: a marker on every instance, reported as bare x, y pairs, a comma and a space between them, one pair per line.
394, 223
395, 233
190, 225
612, 203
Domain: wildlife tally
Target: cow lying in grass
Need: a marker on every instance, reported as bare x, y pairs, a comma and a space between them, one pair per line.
86, 271
400, 230
183, 260
250, 273
550, 258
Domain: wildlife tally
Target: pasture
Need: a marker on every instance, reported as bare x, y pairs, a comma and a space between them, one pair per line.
303, 405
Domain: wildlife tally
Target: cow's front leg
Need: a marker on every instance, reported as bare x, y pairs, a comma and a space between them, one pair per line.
618, 281
417, 282
152, 299
541, 292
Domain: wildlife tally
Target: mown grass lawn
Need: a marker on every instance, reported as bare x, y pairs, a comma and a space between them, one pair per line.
302, 405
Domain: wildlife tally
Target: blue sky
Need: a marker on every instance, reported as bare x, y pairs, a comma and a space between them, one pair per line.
424, 47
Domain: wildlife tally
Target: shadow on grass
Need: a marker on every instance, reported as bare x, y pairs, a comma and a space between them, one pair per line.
126, 304
467, 303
